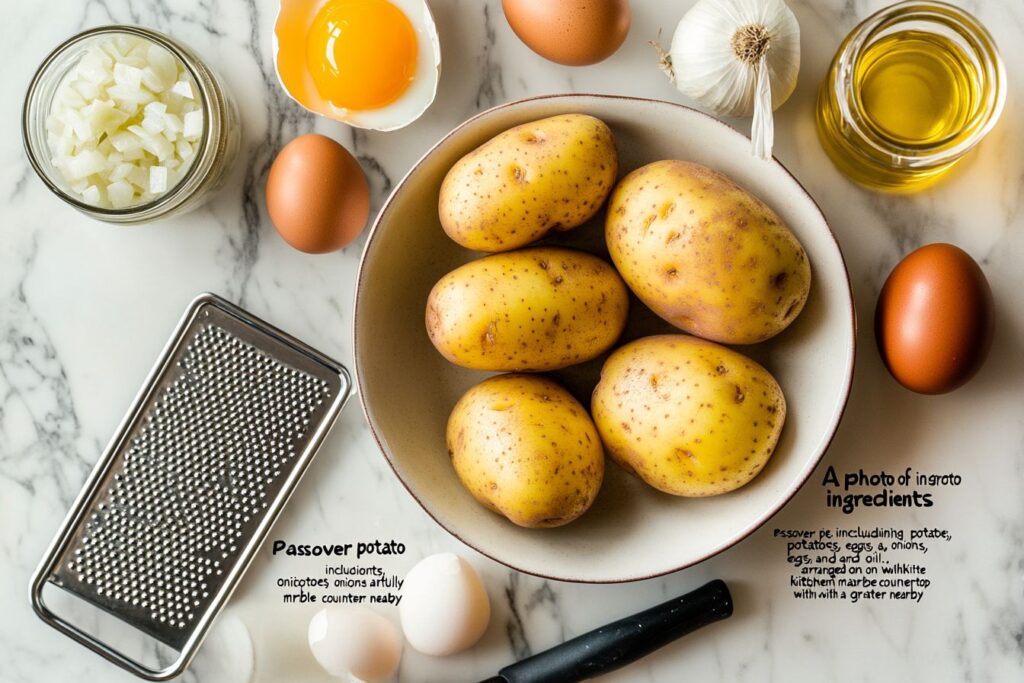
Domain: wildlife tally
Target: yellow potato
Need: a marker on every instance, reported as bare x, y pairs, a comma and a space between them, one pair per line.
526, 449
705, 254
546, 175
688, 416
534, 309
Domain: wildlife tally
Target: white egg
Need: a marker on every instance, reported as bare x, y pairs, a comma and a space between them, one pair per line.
355, 643
300, 35
444, 607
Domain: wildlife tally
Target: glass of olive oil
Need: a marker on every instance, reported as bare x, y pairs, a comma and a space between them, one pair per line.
911, 90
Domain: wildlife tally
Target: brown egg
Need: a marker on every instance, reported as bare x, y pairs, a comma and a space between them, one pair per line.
317, 195
934, 319
570, 32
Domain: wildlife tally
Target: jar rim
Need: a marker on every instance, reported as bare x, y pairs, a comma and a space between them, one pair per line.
168, 198
989, 62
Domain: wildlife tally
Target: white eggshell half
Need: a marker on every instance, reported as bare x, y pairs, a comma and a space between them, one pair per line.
355, 642
444, 607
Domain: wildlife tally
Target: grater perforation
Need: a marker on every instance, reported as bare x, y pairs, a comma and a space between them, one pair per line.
185, 493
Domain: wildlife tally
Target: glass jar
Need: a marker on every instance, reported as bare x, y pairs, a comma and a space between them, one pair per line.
216, 149
910, 91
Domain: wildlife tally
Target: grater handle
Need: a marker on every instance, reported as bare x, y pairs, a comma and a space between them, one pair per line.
98, 646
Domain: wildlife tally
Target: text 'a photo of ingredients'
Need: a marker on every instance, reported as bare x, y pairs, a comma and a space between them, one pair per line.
600, 334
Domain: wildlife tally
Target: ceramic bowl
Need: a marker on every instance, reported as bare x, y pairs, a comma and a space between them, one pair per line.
632, 531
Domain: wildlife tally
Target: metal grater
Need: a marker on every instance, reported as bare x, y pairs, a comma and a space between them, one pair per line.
192, 481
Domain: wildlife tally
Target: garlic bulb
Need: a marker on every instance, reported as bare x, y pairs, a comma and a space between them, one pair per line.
738, 58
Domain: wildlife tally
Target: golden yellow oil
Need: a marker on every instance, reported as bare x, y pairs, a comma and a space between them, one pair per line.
915, 91
916, 88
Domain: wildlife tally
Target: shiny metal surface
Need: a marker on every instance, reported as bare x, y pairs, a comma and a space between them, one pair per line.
214, 445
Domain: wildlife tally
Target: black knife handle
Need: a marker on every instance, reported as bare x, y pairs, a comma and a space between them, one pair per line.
624, 641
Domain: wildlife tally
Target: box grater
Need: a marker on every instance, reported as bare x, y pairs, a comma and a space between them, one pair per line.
200, 467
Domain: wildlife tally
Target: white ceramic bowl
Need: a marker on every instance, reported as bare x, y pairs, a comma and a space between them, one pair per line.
632, 531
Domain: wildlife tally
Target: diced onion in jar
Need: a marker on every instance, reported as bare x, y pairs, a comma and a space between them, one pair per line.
124, 123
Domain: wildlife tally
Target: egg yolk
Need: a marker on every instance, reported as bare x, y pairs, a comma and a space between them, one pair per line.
361, 53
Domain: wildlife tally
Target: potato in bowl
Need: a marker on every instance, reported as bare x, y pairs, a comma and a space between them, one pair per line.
705, 254
526, 449
408, 389
534, 309
549, 175
686, 415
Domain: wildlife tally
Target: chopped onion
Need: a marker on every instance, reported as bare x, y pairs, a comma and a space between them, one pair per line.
120, 194
158, 179
124, 123
91, 195
183, 88
193, 124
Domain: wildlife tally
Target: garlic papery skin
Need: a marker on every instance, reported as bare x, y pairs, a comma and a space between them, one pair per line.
737, 58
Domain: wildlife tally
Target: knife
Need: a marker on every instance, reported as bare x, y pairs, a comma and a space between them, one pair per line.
624, 641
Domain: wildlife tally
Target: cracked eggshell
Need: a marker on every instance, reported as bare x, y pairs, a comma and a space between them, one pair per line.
409, 106
355, 642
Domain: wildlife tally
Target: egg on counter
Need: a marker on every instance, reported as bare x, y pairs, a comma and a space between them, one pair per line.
444, 607
368, 63
317, 195
934, 320
355, 643
570, 32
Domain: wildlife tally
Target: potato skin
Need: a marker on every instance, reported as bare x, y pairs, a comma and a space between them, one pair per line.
551, 174
688, 416
705, 254
534, 309
526, 449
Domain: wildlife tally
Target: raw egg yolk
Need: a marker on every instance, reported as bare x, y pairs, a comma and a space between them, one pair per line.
361, 53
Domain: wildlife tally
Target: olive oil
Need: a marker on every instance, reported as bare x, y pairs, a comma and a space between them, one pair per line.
916, 88
910, 91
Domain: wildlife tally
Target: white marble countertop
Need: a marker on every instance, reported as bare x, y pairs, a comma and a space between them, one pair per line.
85, 307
